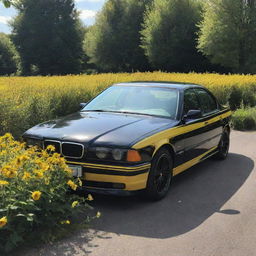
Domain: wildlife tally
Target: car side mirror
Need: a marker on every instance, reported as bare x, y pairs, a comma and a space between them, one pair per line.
192, 114
82, 105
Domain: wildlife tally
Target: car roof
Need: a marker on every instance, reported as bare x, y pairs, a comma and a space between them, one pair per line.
162, 84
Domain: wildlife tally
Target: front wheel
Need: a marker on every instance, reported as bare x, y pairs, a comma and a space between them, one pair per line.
160, 175
223, 147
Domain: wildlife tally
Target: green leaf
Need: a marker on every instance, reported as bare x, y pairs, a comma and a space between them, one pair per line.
21, 215
7, 3
13, 207
30, 218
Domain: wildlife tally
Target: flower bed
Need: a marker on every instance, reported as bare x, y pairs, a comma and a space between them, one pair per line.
34, 203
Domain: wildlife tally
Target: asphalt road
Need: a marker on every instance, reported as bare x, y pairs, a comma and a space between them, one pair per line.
210, 211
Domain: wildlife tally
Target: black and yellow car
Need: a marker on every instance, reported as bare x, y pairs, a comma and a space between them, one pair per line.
137, 136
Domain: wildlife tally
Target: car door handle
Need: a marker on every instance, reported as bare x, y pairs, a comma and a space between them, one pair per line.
206, 123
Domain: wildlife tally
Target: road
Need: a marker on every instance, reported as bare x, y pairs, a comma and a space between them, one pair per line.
209, 211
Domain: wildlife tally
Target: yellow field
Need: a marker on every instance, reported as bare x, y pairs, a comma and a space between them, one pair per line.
25, 101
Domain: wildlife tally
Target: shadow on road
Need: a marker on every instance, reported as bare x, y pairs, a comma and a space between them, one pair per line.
194, 196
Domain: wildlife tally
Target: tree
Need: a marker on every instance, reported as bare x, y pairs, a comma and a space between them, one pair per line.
169, 35
8, 3
8, 56
113, 43
48, 35
228, 34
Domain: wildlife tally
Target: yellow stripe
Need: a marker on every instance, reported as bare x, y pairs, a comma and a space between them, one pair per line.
194, 161
117, 169
131, 182
111, 167
162, 138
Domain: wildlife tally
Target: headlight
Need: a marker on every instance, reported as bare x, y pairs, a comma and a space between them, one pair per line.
34, 142
117, 154
101, 153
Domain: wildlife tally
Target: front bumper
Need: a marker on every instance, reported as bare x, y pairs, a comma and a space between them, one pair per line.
109, 179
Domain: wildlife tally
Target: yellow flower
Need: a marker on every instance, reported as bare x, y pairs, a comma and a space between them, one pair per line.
68, 171
90, 198
50, 148
45, 154
45, 167
9, 172
3, 152
39, 174
72, 184
3, 221
21, 159
7, 136
57, 155
98, 215
67, 222
74, 204
53, 160
80, 183
36, 195
3, 182
26, 176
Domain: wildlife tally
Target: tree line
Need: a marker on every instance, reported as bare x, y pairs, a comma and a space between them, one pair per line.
48, 38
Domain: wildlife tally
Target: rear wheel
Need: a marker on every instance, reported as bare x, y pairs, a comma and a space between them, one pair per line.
223, 147
160, 175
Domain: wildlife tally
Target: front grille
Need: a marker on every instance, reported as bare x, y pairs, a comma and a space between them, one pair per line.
66, 149
56, 144
72, 150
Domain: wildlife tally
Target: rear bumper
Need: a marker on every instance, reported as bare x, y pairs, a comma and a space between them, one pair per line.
106, 179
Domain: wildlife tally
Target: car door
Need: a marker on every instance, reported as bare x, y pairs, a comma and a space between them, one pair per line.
211, 117
196, 137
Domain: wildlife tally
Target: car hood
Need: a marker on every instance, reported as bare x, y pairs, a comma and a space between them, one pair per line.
97, 128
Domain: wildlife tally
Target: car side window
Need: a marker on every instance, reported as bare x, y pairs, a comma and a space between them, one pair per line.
207, 102
190, 101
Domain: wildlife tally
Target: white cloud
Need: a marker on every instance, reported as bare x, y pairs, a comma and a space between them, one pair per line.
87, 14
4, 19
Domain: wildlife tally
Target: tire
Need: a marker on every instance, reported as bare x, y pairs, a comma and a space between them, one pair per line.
223, 147
160, 175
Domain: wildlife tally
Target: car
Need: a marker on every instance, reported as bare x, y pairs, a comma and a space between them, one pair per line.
137, 136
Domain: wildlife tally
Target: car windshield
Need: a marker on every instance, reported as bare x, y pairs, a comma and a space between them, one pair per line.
154, 101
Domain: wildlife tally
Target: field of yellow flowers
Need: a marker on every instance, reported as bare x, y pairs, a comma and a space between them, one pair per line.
26, 101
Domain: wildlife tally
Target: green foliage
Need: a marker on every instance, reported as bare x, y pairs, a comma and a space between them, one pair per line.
113, 43
169, 35
48, 35
240, 96
228, 33
244, 119
7, 3
34, 203
9, 59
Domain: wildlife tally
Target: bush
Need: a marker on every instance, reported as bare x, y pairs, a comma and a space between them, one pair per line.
244, 119
33, 194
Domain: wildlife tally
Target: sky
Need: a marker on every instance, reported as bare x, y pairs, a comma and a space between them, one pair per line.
88, 9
